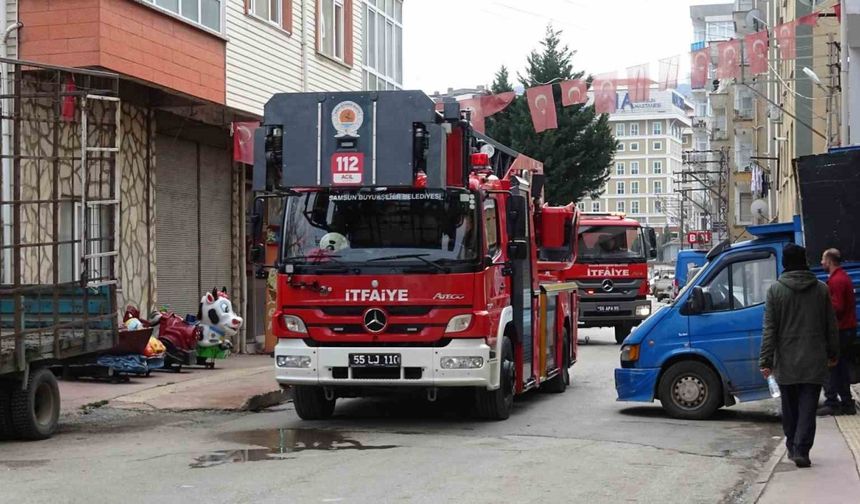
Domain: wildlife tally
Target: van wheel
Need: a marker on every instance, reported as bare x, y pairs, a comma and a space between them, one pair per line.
559, 382
311, 404
6, 431
621, 332
690, 390
36, 409
497, 404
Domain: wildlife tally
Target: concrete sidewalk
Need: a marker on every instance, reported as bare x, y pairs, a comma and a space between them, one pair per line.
241, 382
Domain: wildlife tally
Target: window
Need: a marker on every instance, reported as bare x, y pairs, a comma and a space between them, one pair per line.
658, 206
745, 201
619, 168
657, 146
382, 38
581, 206
741, 285
331, 29
595, 206
634, 187
491, 227
620, 147
268, 10
619, 188
719, 30
658, 187
634, 167
743, 149
203, 12
634, 129
619, 206
657, 128
634, 146
744, 102
657, 168
634, 207
619, 130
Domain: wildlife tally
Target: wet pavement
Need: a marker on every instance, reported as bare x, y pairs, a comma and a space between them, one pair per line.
580, 446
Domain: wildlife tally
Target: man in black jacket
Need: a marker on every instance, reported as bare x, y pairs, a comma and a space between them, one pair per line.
799, 342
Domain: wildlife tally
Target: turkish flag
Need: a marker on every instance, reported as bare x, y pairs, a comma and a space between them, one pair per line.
808, 20
756, 48
68, 111
785, 40
484, 106
669, 73
605, 95
837, 11
574, 92
243, 141
638, 83
729, 63
700, 61
542, 108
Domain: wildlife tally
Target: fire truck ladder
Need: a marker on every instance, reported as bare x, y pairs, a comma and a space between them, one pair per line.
99, 263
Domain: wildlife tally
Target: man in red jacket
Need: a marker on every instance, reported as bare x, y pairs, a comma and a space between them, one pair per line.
838, 391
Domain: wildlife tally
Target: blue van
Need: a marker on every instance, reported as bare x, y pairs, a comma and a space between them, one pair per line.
688, 260
701, 352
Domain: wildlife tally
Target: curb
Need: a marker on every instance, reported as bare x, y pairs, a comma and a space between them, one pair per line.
763, 476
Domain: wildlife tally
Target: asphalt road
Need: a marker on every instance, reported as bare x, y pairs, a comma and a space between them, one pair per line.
581, 446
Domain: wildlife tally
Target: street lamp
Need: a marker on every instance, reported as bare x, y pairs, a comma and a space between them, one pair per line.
813, 76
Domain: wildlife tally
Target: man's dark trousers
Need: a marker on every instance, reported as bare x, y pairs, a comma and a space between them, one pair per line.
799, 404
838, 391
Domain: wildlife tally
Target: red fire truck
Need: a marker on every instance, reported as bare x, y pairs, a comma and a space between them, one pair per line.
612, 271
416, 254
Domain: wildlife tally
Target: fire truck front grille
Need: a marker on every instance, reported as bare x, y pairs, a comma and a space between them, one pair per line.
391, 329
409, 373
355, 311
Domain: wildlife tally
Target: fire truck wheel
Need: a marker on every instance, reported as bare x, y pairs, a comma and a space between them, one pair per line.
36, 409
311, 404
497, 404
621, 332
559, 382
5, 410
690, 390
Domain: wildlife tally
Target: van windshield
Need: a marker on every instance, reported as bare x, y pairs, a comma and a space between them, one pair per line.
611, 244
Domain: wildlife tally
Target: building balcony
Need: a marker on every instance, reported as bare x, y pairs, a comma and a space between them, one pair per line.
127, 37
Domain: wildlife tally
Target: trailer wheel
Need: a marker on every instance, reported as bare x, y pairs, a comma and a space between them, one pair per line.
690, 390
497, 404
6, 431
622, 331
559, 382
311, 404
36, 410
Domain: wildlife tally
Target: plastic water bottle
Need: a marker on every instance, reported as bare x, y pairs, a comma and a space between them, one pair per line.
773, 386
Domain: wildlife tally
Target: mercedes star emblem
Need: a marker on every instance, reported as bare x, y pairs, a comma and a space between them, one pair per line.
608, 285
375, 320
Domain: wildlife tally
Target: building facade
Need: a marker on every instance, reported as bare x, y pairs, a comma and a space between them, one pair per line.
650, 139
188, 71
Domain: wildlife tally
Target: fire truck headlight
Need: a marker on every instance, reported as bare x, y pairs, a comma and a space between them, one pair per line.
294, 324
458, 323
643, 311
461, 362
293, 361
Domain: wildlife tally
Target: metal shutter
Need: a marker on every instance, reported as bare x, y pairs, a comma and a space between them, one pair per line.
215, 218
176, 227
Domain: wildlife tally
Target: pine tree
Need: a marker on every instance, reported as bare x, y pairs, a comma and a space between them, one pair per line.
577, 155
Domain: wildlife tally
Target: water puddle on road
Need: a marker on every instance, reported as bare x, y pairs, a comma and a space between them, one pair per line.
278, 443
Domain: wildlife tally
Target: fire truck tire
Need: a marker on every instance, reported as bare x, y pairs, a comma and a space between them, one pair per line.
622, 331
497, 404
36, 409
559, 382
6, 431
690, 390
311, 404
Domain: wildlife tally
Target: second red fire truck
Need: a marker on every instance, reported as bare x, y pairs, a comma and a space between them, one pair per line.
416, 254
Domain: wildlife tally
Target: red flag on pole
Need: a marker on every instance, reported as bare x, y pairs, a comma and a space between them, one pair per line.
699, 64
669, 72
243, 141
573, 92
542, 108
605, 95
837, 11
484, 106
756, 48
68, 111
785, 40
808, 20
638, 83
729, 62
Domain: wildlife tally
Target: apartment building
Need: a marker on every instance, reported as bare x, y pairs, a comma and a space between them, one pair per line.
650, 144
189, 70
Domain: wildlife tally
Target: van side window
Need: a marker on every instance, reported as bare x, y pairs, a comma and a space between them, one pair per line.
491, 226
741, 285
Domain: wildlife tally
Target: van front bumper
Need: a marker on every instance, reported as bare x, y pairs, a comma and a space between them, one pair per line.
420, 366
636, 384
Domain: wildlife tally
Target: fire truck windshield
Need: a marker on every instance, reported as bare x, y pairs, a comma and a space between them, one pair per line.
418, 228
610, 244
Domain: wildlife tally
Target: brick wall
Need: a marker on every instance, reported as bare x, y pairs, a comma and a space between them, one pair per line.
124, 37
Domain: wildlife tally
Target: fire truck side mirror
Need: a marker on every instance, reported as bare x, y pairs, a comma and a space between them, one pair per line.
518, 214
518, 250
652, 242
